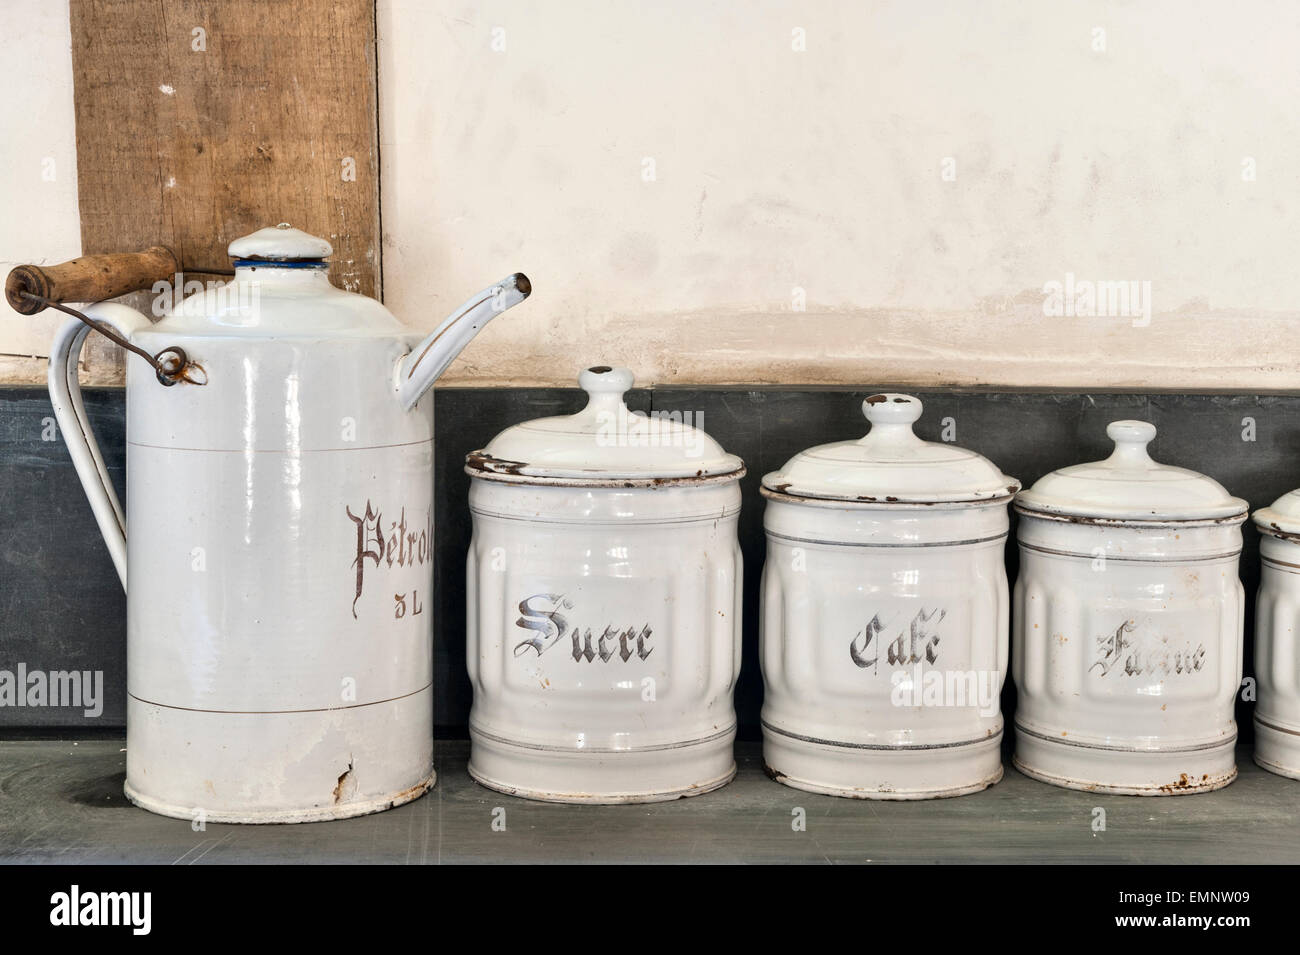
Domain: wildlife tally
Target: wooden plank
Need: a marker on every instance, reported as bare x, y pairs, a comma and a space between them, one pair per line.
199, 122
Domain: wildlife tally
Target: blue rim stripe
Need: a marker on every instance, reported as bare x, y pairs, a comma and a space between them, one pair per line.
272, 264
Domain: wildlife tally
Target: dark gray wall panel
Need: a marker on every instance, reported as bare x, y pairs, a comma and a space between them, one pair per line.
64, 608
62, 605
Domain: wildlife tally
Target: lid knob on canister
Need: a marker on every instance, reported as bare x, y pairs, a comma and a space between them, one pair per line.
891, 409
602, 380
605, 387
891, 417
1131, 439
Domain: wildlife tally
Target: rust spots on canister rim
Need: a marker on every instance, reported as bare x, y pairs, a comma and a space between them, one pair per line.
1095, 521
481, 464
1182, 782
482, 461
782, 492
1274, 530
1190, 784
1186, 784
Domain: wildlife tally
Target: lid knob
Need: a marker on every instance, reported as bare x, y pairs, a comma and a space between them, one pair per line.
604, 380
891, 409
605, 387
1131, 439
891, 418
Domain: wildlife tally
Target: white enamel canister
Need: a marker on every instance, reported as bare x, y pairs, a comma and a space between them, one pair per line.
1277, 638
603, 634
885, 614
1127, 625
277, 539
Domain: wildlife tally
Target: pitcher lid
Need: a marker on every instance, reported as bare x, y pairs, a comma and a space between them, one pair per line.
605, 442
1130, 486
891, 465
279, 243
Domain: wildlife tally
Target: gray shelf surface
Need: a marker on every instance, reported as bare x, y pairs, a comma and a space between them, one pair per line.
62, 802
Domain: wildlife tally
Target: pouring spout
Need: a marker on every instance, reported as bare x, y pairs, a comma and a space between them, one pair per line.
418, 370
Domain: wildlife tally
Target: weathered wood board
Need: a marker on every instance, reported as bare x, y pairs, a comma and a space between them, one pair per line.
201, 122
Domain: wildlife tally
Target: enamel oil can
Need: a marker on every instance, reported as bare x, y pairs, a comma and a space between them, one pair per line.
277, 540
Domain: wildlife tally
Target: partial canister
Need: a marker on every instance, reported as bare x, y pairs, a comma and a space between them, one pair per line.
884, 621
603, 604
1277, 637
1127, 625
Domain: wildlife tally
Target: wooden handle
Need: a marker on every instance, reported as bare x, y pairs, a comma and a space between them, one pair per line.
91, 278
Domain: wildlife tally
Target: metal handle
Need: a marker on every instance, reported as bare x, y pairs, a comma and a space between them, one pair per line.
171, 364
74, 424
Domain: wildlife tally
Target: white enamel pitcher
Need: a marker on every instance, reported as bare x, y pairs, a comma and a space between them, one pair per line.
278, 531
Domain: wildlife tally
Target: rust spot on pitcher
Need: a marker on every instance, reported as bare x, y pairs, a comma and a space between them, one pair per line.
343, 778
193, 373
173, 365
406, 795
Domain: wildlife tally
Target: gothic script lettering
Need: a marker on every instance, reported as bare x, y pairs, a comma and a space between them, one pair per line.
401, 545
1142, 655
542, 615
920, 642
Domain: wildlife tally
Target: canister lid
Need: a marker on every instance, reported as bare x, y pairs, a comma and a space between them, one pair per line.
605, 442
1282, 517
1130, 486
891, 465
